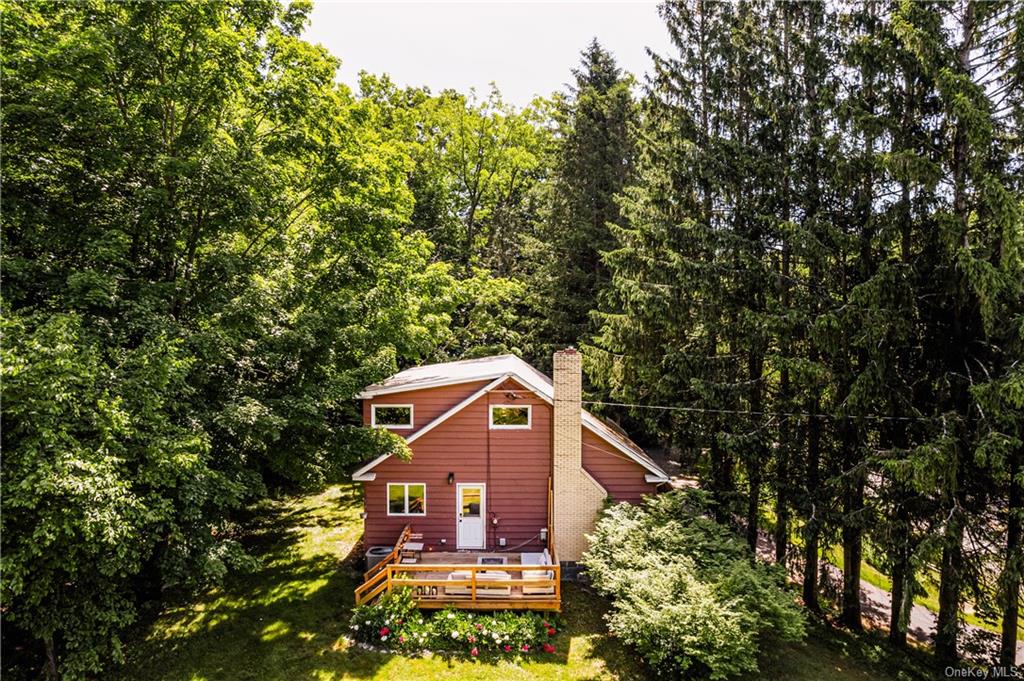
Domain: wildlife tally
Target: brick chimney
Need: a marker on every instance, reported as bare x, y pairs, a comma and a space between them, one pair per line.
577, 496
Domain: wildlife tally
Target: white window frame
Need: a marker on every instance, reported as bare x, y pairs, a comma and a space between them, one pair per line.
408, 426
529, 417
387, 499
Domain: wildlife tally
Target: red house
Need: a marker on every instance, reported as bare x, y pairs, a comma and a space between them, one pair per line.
507, 468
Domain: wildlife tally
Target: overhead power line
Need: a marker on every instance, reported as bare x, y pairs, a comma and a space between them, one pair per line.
745, 412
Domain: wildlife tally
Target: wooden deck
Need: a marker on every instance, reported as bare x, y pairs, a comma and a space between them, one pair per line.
439, 579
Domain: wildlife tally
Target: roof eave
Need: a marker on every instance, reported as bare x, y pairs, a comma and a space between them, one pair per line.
371, 392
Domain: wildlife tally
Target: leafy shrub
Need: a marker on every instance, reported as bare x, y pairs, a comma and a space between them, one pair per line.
685, 592
394, 622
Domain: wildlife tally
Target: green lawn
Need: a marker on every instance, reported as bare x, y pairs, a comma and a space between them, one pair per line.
870, 574
930, 599
288, 620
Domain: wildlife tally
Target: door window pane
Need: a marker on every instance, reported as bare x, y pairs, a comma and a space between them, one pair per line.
471, 502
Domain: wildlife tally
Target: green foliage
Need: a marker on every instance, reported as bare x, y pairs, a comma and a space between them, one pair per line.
102, 473
204, 260
394, 622
592, 160
685, 591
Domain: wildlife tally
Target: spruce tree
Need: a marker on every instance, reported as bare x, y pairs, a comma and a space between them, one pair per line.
592, 161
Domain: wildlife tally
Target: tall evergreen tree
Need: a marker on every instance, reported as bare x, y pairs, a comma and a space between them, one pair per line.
592, 161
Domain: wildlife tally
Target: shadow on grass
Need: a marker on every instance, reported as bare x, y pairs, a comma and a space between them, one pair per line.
289, 618
286, 619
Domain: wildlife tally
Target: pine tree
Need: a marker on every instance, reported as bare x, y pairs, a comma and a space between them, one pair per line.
593, 158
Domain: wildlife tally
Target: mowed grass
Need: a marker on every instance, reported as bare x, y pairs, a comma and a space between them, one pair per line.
288, 620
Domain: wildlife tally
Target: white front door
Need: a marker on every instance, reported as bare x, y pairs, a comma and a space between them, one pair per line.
471, 501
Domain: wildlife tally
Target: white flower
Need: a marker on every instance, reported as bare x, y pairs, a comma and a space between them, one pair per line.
356, 627
421, 620
495, 636
451, 615
384, 638
455, 634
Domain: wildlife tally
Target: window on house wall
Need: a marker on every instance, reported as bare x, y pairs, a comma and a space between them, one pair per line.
510, 416
407, 498
391, 416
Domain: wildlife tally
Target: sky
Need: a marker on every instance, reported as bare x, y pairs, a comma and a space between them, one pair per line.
527, 48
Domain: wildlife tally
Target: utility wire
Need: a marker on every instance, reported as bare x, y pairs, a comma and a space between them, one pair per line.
742, 412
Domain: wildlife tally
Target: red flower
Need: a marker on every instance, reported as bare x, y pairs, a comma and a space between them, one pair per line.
551, 631
508, 649
525, 648
474, 652
384, 631
548, 648
546, 625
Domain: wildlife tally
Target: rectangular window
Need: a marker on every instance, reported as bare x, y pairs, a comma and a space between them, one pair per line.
510, 416
407, 498
391, 416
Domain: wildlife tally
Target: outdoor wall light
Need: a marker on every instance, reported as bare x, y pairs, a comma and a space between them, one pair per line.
544, 534
451, 478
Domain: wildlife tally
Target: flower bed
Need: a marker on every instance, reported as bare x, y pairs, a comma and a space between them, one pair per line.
394, 623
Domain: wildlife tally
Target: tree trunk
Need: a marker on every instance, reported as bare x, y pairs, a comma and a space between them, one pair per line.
949, 590
810, 585
852, 532
852, 553
1014, 563
782, 493
721, 478
50, 667
754, 502
755, 367
900, 574
897, 630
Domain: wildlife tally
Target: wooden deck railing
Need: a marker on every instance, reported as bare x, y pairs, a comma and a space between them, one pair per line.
480, 594
375, 580
433, 591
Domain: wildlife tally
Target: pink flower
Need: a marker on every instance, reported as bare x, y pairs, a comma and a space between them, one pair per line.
479, 626
546, 625
548, 648
525, 648
471, 638
401, 639
384, 631
508, 649
474, 652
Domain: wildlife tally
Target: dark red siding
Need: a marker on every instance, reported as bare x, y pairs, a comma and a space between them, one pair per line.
428, 403
514, 464
617, 473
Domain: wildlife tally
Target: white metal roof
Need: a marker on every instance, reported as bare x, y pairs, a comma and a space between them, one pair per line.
493, 369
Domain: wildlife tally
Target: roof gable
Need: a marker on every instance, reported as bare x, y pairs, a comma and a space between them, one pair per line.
496, 369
